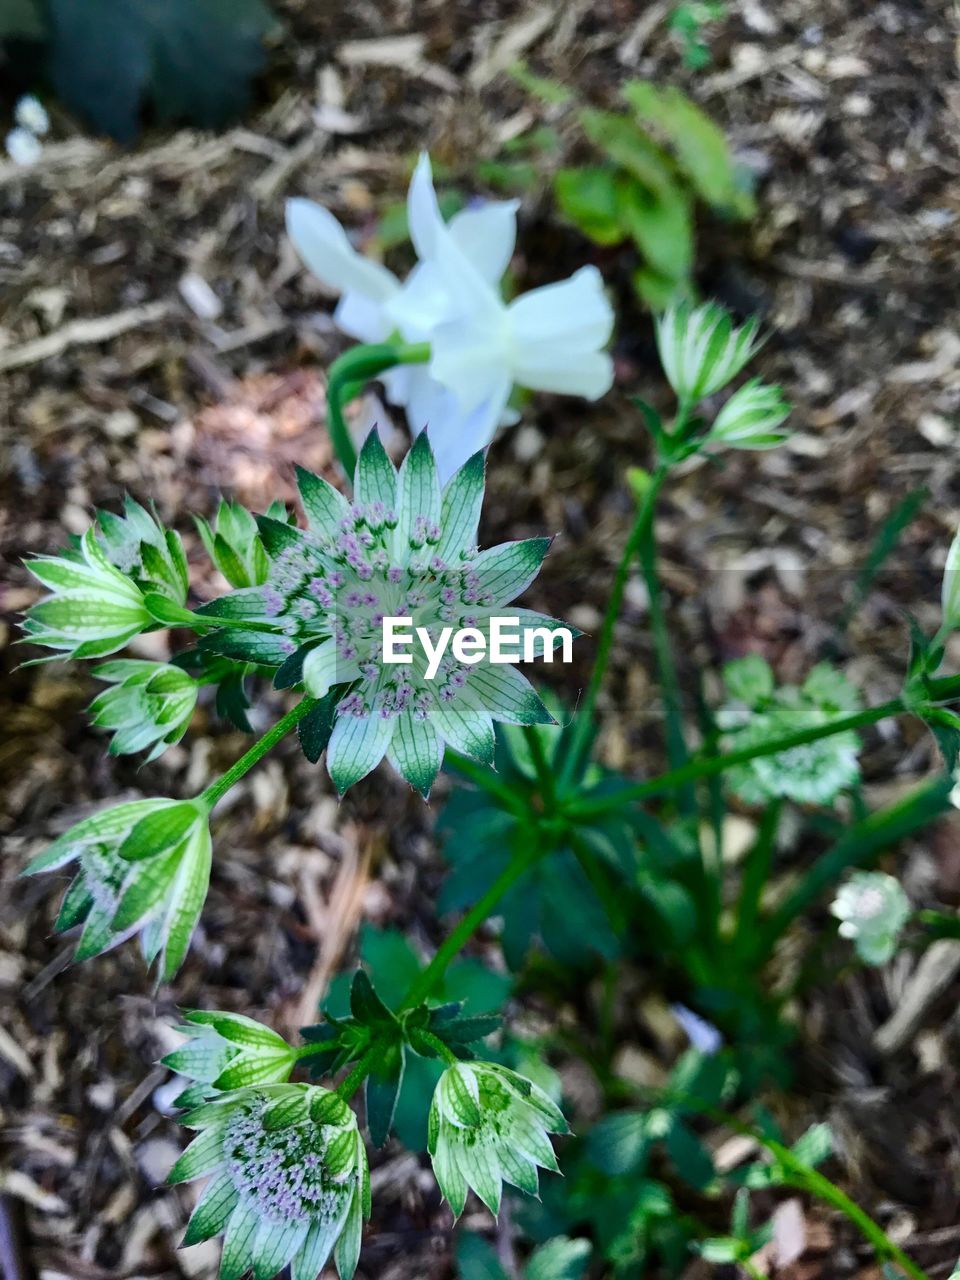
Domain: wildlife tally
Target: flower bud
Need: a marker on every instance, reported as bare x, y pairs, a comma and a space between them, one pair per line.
872, 909
234, 545
289, 1181
700, 349
950, 590
150, 706
488, 1126
93, 608
137, 543
144, 868
228, 1051
751, 418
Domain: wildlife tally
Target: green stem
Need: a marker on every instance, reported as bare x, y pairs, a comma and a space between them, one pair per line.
485, 778
442, 1050
584, 725
451, 947
352, 370
540, 763
349, 1085
217, 790
712, 765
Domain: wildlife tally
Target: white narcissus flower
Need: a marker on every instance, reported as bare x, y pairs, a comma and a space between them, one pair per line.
487, 1126
701, 350
752, 418
872, 909
144, 868
288, 1181
550, 339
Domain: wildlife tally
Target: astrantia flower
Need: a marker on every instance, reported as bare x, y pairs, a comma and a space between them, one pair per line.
700, 349
150, 706
488, 1126
400, 549
139, 545
752, 418
289, 1181
549, 339
93, 608
812, 773
227, 1051
144, 868
872, 909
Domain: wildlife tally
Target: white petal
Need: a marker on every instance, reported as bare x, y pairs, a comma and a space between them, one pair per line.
459, 439
573, 314
472, 358
487, 236
362, 317
586, 373
423, 212
323, 245
430, 404
423, 302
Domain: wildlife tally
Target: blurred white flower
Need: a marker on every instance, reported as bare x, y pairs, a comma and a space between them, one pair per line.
31, 114
954, 796
550, 339
23, 147
872, 909
950, 589
703, 1035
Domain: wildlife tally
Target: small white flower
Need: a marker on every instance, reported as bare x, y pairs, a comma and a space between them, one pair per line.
872, 909
703, 1035
31, 114
23, 147
550, 339
700, 349
752, 418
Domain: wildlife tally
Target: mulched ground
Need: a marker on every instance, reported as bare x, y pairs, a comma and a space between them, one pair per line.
112, 381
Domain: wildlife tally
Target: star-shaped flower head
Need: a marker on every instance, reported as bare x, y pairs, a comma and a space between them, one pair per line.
400, 549
144, 868
488, 1125
549, 339
289, 1181
872, 909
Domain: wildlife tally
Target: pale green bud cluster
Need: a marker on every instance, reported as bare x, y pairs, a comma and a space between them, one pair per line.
752, 418
488, 1126
144, 868
289, 1180
872, 909
234, 545
93, 609
150, 705
139, 546
227, 1051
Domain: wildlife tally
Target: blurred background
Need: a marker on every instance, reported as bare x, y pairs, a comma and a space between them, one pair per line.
158, 336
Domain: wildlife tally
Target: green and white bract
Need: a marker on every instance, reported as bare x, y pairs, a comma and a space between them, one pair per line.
150, 706
144, 868
700, 349
289, 1181
488, 1126
872, 909
93, 608
227, 1051
400, 549
752, 418
813, 773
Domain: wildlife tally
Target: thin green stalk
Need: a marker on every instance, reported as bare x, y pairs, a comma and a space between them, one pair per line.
217, 790
707, 768
349, 372
451, 947
541, 764
442, 1050
349, 1085
583, 726
485, 778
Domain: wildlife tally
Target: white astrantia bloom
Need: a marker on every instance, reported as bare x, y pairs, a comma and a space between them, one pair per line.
31, 114
488, 1125
550, 339
288, 1181
872, 909
700, 349
752, 418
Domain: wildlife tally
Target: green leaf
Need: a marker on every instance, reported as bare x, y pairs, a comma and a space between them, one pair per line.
700, 145
376, 475
315, 728
23, 20
690, 1158
148, 885
383, 1089
590, 199
460, 510
619, 1143
366, 1006
559, 1259
477, 1260
194, 59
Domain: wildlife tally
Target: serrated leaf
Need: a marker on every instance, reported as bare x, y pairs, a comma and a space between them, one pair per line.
315, 728
366, 1006
383, 1089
